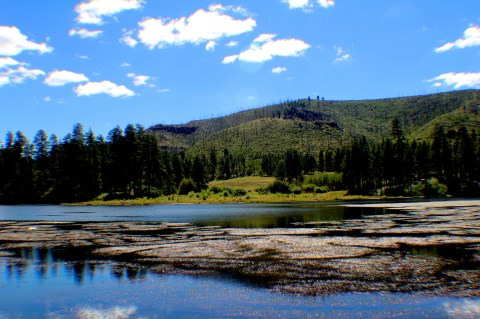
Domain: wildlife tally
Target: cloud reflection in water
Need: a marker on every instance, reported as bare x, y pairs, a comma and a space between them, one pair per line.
111, 313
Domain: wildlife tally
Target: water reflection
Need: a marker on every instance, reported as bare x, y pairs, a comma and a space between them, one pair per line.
292, 216
225, 215
75, 262
56, 283
111, 313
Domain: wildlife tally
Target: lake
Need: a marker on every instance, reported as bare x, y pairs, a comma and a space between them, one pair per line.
224, 215
40, 283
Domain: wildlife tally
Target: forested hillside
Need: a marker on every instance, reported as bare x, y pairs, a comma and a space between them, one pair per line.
425, 145
313, 124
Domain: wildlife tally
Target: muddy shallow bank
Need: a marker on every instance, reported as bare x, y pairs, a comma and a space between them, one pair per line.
432, 248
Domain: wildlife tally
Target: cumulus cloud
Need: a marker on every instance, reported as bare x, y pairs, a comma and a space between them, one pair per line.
19, 75
265, 48
307, 5
139, 80
200, 27
210, 45
104, 87
128, 39
279, 69
61, 78
6, 62
4, 80
125, 65
13, 42
93, 11
230, 59
84, 33
163, 90
471, 38
457, 80
342, 56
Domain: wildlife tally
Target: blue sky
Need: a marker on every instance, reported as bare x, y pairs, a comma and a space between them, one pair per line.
112, 62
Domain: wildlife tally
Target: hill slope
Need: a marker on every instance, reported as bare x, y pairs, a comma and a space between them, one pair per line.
308, 124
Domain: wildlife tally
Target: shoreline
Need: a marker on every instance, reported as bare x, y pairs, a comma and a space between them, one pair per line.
250, 198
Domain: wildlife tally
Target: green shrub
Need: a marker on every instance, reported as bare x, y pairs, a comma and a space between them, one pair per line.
216, 189
429, 188
321, 189
186, 186
433, 188
153, 192
238, 192
309, 188
333, 180
296, 190
263, 190
279, 187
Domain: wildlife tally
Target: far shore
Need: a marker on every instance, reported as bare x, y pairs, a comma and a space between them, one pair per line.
337, 196
253, 198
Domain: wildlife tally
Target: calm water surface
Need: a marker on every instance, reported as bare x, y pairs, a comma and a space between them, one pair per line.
225, 215
108, 290
38, 285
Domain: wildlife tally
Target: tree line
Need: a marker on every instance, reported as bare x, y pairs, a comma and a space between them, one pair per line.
80, 167
397, 166
129, 164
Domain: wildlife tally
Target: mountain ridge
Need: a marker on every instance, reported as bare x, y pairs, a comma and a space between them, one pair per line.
313, 124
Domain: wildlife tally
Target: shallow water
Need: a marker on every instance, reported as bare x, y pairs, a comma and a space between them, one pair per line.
111, 291
59, 283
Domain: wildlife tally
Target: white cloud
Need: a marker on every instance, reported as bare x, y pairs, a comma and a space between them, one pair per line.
471, 38
326, 3
342, 56
265, 48
47, 99
457, 80
61, 78
306, 5
210, 45
83, 57
230, 59
93, 11
232, 44
84, 33
125, 65
296, 4
127, 38
4, 80
221, 9
279, 69
202, 26
139, 80
104, 87
5, 62
13, 42
163, 90
19, 75
264, 38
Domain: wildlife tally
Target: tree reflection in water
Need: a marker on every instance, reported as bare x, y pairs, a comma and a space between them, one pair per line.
76, 261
